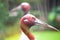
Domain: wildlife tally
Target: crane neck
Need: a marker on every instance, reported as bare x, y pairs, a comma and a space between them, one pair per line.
26, 12
27, 32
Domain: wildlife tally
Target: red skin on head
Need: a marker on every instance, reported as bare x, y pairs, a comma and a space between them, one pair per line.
30, 21
25, 7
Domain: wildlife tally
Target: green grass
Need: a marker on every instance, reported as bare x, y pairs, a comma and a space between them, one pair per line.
47, 35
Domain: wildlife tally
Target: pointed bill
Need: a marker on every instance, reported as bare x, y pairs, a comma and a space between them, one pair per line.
16, 8
37, 21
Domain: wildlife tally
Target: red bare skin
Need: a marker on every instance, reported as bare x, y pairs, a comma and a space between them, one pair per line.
25, 8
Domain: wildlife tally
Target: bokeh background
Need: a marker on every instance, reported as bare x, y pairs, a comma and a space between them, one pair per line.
45, 10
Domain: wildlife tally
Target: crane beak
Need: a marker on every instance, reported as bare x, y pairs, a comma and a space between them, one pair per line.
37, 21
16, 8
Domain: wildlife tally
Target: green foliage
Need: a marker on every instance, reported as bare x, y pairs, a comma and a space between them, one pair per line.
52, 18
20, 14
3, 12
5, 19
47, 35
11, 20
35, 13
24, 0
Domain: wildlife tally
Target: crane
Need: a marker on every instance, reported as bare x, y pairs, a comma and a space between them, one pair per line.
27, 21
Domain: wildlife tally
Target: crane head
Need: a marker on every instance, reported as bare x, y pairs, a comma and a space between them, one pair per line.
25, 6
27, 21
30, 20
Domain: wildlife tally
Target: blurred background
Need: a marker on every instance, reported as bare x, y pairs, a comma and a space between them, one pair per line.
45, 10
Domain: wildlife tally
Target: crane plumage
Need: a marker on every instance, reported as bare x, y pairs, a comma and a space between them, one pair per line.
23, 37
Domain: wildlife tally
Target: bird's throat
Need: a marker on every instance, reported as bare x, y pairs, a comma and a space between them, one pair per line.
28, 33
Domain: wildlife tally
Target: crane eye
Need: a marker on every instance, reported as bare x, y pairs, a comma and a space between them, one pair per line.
25, 20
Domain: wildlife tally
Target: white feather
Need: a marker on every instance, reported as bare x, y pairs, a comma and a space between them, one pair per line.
23, 37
